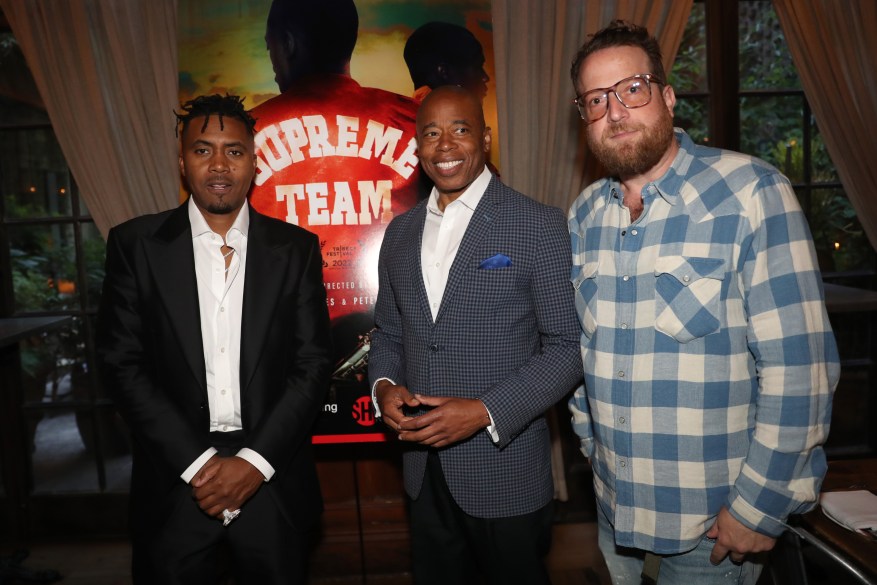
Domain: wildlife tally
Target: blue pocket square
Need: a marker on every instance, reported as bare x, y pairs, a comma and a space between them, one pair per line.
498, 261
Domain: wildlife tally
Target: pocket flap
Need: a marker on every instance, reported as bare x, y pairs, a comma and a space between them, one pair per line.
688, 269
580, 274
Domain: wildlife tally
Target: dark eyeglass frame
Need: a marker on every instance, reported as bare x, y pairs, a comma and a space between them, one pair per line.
604, 91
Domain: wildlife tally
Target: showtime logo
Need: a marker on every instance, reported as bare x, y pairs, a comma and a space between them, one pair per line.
362, 411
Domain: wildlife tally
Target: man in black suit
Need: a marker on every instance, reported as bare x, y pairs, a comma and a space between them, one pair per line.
213, 341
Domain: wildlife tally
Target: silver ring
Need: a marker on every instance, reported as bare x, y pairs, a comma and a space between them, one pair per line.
227, 516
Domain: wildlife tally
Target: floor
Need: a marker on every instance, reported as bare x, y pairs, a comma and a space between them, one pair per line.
574, 559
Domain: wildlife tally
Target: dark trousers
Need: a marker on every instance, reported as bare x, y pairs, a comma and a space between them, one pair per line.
450, 546
191, 548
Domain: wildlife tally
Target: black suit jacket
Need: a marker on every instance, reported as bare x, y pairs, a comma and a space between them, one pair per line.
152, 360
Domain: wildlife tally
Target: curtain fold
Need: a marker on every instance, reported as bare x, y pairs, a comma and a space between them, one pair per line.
542, 145
834, 49
107, 73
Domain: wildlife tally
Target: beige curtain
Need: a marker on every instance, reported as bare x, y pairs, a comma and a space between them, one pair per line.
107, 73
834, 47
542, 144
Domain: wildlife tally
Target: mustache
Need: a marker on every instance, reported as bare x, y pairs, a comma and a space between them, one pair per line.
618, 127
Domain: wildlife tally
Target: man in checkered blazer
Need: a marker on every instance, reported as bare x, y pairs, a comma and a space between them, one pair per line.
476, 337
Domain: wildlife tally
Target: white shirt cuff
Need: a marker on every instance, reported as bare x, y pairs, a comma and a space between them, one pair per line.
198, 464
374, 397
491, 428
257, 461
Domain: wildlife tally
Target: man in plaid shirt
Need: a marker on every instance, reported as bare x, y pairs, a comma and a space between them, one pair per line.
709, 360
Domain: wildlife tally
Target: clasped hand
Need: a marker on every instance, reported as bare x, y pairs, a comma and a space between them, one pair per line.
225, 483
448, 420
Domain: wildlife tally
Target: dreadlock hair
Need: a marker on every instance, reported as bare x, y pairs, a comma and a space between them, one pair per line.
207, 105
620, 33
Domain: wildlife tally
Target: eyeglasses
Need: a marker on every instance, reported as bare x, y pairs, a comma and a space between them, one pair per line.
632, 92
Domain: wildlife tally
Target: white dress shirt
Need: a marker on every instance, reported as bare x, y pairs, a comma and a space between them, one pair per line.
443, 232
220, 299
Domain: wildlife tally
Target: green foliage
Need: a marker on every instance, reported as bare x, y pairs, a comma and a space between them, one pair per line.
840, 241
773, 119
765, 61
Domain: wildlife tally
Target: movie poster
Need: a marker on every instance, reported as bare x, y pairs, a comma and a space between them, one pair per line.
335, 86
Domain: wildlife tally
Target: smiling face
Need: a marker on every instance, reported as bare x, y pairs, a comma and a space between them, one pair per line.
218, 164
629, 142
452, 140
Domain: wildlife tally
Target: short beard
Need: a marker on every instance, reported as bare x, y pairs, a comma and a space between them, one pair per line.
221, 208
634, 159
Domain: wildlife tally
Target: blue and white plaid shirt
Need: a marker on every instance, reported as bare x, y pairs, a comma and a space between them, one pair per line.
708, 356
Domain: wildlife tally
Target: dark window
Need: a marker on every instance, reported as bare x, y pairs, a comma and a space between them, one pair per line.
52, 262
737, 88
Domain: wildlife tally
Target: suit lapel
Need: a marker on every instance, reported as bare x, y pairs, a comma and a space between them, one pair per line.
267, 265
172, 265
481, 222
415, 267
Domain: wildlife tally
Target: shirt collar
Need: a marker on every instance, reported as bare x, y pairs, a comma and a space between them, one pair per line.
200, 227
471, 197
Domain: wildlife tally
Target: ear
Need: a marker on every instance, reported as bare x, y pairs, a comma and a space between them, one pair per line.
182, 166
669, 97
289, 43
441, 71
488, 138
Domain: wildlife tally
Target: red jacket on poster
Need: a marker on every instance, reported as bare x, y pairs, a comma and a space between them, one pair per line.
340, 160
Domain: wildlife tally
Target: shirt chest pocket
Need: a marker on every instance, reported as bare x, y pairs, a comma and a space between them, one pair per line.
688, 296
584, 280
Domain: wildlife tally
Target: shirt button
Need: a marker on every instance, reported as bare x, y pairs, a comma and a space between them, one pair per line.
633, 232
622, 463
222, 392
225, 428
221, 350
621, 420
433, 347
222, 309
620, 373
686, 278
624, 325
625, 278
438, 264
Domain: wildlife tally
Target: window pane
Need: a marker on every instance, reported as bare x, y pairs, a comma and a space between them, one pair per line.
43, 267
16, 113
689, 72
822, 166
60, 460
771, 128
765, 61
94, 251
54, 367
83, 208
840, 241
34, 178
692, 114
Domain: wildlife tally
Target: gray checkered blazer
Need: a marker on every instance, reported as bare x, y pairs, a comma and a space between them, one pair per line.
507, 335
